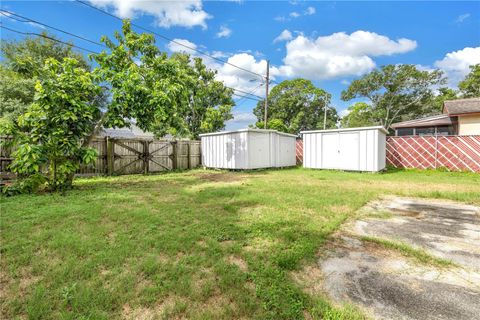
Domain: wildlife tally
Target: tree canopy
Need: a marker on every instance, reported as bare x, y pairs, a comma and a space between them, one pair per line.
296, 105
359, 115
396, 92
48, 137
23, 62
209, 101
470, 86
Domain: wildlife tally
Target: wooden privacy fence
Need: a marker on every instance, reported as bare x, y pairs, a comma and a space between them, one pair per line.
456, 153
130, 156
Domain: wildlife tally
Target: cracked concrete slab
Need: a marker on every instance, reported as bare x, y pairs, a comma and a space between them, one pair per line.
391, 286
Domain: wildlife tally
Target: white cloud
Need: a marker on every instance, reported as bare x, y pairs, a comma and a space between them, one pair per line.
284, 36
233, 77
294, 14
185, 13
241, 120
462, 17
456, 64
224, 32
310, 11
339, 54
345, 82
182, 45
241, 79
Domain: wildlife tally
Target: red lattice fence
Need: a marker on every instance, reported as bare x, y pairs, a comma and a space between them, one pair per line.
456, 153
299, 151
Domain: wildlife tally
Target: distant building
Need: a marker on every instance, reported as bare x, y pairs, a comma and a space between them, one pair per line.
133, 132
460, 117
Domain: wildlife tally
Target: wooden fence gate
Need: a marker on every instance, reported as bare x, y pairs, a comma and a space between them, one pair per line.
131, 156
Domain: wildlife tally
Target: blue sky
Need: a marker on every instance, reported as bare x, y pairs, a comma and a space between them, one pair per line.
330, 43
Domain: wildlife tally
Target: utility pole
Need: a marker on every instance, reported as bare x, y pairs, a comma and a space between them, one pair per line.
325, 118
266, 92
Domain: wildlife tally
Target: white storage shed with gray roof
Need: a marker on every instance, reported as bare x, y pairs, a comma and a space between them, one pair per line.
248, 149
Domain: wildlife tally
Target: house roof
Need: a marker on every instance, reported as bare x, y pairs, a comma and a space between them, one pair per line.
461, 106
133, 132
438, 120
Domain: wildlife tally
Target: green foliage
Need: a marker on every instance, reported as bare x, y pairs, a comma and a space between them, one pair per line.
49, 136
209, 102
16, 93
443, 95
396, 92
22, 63
28, 57
299, 105
145, 84
470, 86
359, 115
274, 124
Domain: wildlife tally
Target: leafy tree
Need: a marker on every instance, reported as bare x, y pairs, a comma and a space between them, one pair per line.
443, 95
359, 115
396, 92
470, 86
49, 136
22, 63
273, 124
209, 102
144, 83
299, 105
16, 93
28, 57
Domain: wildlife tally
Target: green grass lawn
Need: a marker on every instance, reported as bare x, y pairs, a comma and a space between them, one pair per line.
198, 244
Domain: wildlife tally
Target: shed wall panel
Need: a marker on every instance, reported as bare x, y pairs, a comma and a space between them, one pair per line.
357, 150
248, 150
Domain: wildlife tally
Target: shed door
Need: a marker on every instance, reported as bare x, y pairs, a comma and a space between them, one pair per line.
330, 151
349, 150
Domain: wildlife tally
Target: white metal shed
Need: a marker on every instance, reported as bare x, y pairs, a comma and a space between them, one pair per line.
357, 149
248, 149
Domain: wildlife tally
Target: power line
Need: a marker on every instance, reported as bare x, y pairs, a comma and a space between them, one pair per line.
12, 15
171, 40
27, 20
47, 37
239, 102
245, 97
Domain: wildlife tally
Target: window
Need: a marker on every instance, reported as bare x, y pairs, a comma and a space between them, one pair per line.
445, 131
426, 131
405, 132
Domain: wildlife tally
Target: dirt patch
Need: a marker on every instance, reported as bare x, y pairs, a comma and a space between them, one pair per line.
391, 286
310, 278
159, 311
239, 262
221, 177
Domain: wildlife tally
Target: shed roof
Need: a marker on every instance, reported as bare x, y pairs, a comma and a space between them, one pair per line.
461, 106
348, 129
438, 120
247, 130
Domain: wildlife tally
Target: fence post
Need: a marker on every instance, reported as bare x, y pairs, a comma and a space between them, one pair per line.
174, 155
110, 156
189, 161
146, 157
436, 151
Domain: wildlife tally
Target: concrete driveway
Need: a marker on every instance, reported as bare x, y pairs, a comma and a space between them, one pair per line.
390, 285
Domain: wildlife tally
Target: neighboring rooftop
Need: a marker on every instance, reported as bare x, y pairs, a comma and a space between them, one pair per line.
432, 121
461, 106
